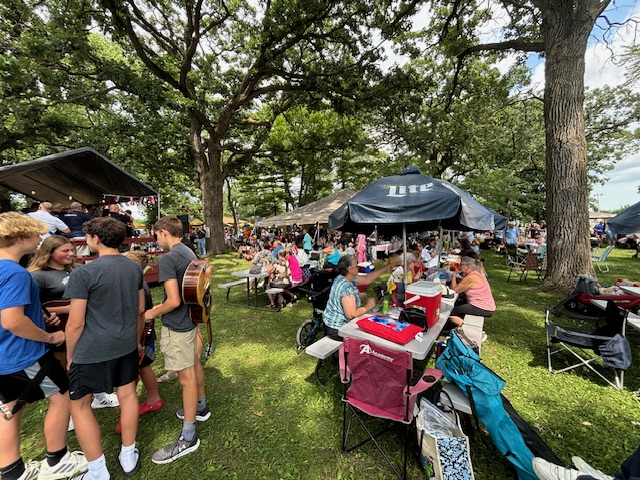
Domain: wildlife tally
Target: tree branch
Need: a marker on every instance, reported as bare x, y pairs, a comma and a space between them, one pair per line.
124, 22
516, 44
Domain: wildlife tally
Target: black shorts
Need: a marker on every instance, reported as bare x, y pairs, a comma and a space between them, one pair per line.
86, 378
14, 385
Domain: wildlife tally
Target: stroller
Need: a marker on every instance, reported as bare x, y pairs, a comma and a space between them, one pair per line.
317, 292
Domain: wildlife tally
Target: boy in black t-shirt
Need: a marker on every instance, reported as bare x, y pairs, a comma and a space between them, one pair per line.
103, 331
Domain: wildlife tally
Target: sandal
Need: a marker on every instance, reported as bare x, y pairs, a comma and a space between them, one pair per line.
167, 376
273, 305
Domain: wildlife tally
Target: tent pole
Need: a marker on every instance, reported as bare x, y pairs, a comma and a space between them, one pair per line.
404, 243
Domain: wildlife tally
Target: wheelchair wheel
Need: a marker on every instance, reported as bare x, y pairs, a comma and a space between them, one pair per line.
307, 333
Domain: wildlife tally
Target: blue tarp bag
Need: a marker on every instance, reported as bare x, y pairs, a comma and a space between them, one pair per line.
460, 364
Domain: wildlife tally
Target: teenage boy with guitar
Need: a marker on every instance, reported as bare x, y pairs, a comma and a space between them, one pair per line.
28, 370
103, 332
178, 339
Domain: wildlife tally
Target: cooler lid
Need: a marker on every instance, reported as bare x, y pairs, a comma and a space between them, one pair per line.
425, 288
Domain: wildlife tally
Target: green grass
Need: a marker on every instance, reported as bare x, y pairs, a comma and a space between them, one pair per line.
271, 420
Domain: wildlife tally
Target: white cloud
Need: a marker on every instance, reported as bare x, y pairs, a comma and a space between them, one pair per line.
601, 69
621, 188
622, 185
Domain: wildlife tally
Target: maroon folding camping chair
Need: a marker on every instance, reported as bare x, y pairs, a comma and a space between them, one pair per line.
377, 383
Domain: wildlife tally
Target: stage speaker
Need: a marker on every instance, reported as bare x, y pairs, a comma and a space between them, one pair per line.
185, 223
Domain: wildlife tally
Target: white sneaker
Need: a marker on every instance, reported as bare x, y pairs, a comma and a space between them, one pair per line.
31, 470
550, 471
584, 467
104, 400
71, 464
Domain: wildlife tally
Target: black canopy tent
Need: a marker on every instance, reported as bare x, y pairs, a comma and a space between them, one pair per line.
418, 203
83, 175
626, 222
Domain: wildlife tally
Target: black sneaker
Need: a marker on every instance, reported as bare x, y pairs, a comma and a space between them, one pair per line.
175, 450
201, 415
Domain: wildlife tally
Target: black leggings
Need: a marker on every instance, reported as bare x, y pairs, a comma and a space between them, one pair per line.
468, 309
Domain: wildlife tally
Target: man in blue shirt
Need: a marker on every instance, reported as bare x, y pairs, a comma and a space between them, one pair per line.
277, 246
512, 234
75, 218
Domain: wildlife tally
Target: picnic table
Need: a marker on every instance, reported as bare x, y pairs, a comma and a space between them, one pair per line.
419, 349
248, 276
389, 247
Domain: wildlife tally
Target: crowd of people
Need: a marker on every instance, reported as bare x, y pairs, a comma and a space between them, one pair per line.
98, 338
69, 221
306, 239
72, 335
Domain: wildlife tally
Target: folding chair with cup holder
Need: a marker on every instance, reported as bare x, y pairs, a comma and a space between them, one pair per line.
377, 383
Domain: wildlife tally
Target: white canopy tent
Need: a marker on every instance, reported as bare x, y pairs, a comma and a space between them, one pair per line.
311, 214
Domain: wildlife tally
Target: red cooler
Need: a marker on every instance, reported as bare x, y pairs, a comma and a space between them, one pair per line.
426, 295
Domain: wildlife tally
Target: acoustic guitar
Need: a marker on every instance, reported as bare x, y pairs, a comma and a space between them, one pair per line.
196, 294
62, 316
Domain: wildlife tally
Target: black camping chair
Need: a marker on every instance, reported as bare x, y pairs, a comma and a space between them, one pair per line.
597, 349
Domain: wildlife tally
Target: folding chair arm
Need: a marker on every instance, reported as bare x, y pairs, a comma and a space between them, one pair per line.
429, 378
345, 371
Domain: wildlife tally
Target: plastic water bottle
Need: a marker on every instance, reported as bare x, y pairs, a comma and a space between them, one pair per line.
443, 278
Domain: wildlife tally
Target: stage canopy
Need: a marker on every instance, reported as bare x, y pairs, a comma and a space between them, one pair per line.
83, 175
311, 214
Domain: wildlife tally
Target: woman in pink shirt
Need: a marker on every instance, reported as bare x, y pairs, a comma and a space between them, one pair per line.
294, 267
479, 300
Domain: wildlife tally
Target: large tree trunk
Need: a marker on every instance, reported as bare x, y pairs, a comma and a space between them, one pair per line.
211, 182
212, 197
566, 31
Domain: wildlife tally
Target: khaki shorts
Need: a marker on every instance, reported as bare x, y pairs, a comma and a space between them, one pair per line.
179, 348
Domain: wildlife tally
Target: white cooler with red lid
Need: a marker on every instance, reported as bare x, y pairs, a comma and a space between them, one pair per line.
427, 295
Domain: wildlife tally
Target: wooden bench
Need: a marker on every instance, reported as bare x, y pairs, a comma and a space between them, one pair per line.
322, 349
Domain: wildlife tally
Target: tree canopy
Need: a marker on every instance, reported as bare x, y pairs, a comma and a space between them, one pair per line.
270, 105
